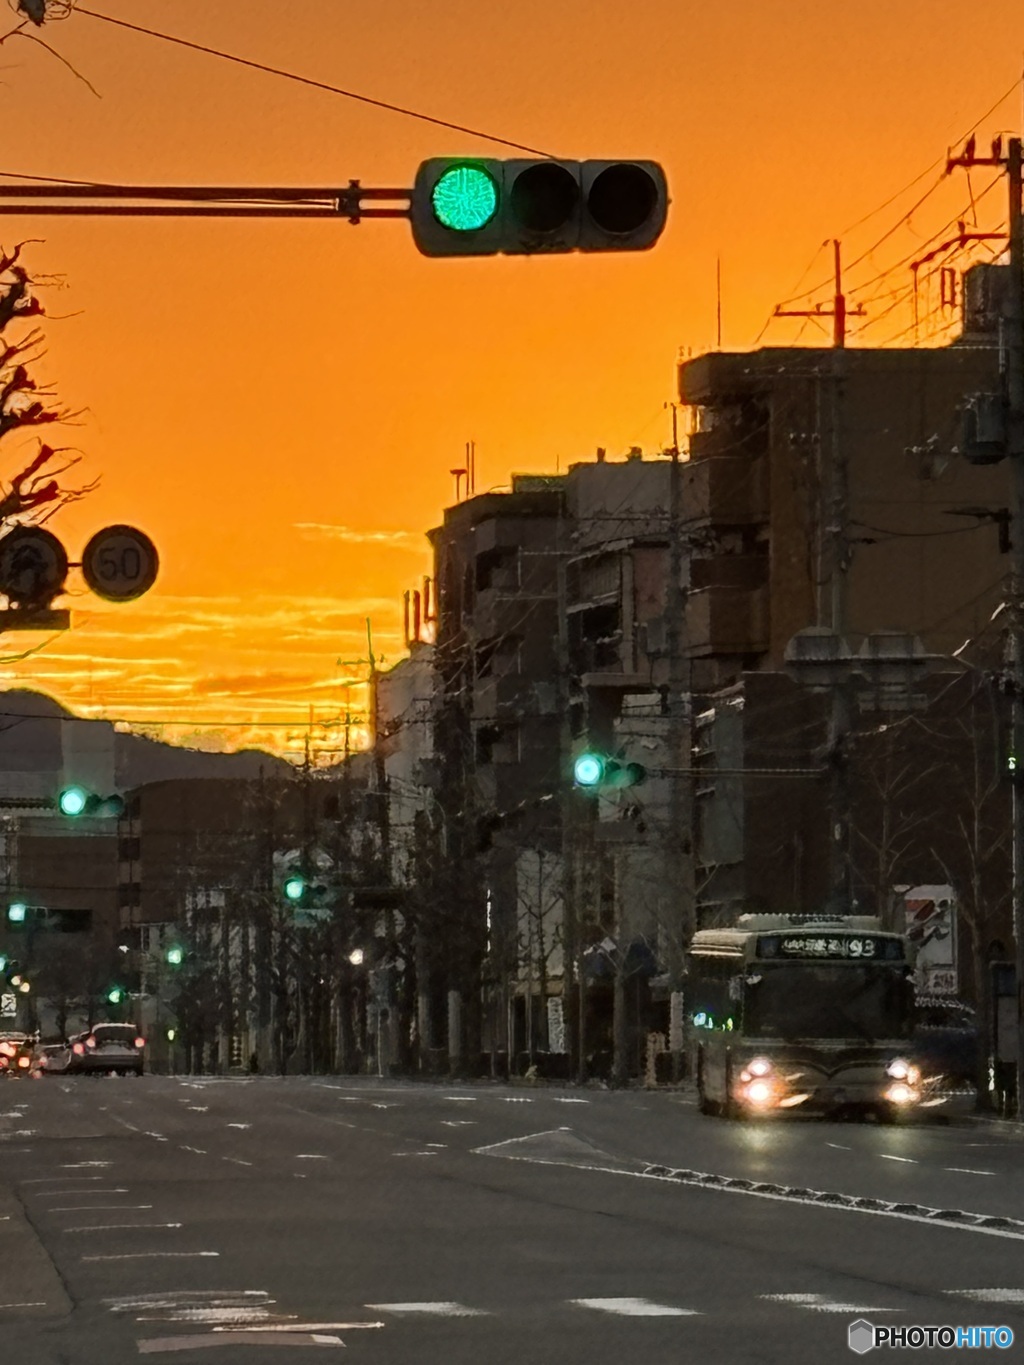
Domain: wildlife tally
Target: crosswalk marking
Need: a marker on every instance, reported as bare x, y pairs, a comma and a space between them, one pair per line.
636, 1308
990, 1295
439, 1309
821, 1303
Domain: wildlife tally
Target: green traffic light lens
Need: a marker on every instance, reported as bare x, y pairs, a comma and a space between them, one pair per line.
294, 887
588, 770
465, 198
72, 801
16, 913
174, 956
115, 996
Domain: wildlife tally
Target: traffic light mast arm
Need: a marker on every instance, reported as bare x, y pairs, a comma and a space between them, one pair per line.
207, 201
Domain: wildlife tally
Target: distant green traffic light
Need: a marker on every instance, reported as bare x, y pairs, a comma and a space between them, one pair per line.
115, 995
465, 198
175, 956
588, 770
16, 913
294, 887
73, 801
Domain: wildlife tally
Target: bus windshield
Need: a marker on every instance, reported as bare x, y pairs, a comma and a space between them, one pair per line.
794, 1000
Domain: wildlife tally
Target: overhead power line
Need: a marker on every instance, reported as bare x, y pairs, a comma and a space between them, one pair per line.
308, 80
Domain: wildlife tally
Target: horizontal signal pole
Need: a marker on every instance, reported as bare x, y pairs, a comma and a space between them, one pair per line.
207, 201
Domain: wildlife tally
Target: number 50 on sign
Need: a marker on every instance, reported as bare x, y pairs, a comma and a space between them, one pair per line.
120, 563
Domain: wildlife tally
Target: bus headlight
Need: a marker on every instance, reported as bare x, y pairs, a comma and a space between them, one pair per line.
900, 1093
759, 1093
759, 1066
900, 1070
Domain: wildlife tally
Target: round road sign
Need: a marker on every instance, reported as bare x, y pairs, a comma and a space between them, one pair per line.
33, 566
120, 563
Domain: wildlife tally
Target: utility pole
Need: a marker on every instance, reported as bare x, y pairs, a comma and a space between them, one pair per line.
839, 312
834, 560
679, 869
1015, 450
1013, 369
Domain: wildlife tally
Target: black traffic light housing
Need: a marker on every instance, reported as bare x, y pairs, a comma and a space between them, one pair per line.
470, 206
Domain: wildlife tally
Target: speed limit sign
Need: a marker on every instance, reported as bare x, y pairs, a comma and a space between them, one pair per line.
120, 563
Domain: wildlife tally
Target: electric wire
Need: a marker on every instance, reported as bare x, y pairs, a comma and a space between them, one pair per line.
309, 81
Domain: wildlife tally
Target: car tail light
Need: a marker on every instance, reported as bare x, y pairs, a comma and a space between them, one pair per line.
6, 1050
140, 1042
77, 1049
90, 1041
3, 1063
24, 1062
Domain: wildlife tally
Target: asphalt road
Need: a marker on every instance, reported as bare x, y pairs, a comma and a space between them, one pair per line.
402, 1224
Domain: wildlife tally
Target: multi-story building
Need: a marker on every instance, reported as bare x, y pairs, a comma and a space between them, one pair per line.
827, 489
497, 736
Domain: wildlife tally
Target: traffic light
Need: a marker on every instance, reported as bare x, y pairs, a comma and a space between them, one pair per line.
175, 955
17, 912
295, 888
593, 771
466, 206
74, 801
115, 995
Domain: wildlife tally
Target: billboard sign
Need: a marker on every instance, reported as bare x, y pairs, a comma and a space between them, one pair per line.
929, 916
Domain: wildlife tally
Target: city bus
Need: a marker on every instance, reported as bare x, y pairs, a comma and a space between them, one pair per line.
807, 1014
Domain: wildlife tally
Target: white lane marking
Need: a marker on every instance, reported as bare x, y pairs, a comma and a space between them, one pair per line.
966, 1170
910, 1161
81, 1165
60, 1194
184, 1147
839, 1146
442, 1309
244, 1336
414, 1154
149, 1255
516, 1099
36, 1303
159, 1136
462, 1099
437, 1144
562, 1099
309, 1327
508, 1142
821, 1303
239, 1125
95, 1208
636, 1308
62, 1179
175, 1298
236, 1160
225, 1317
989, 1295
458, 1123
310, 1156
122, 1227
199, 1108
806, 1198
6, 1218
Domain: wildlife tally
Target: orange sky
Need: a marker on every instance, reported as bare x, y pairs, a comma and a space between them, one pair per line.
279, 404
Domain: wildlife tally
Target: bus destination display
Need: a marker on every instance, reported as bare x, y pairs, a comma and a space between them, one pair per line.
831, 947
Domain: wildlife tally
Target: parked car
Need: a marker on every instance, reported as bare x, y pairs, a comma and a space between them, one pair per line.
105, 1047
18, 1054
946, 1038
